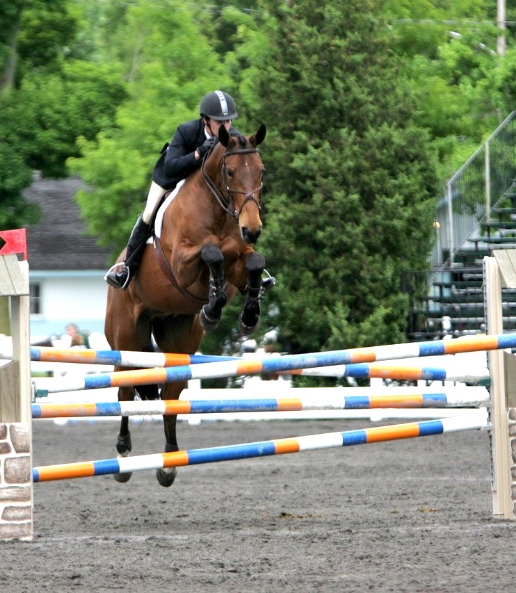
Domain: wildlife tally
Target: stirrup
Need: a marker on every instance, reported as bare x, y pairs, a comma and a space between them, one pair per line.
267, 283
112, 279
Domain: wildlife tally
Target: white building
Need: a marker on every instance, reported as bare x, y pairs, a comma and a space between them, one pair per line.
66, 267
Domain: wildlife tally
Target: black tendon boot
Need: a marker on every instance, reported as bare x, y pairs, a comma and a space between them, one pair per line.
121, 274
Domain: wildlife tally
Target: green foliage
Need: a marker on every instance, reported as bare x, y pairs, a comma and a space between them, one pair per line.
54, 101
350, 183
167, 76
48, 113
364, 103
449, 62
46, 29
14, 177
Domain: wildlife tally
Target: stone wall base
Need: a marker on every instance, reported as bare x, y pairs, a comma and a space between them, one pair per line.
16, 499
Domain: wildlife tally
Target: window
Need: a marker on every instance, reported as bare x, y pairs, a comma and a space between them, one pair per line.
35, 299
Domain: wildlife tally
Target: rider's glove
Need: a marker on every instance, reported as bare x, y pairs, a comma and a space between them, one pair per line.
208, 144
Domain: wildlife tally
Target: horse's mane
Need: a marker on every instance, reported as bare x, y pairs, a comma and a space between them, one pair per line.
242, 140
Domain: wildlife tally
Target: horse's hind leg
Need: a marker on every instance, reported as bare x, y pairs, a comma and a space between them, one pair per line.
166, 476
123, 441
179, 333
210, 314
250, 317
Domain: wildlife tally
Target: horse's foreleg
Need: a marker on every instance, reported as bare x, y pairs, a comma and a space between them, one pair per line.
123, 440
250, 317
123, 446
210, 314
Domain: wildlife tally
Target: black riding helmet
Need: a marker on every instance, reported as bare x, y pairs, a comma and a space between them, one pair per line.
218, 105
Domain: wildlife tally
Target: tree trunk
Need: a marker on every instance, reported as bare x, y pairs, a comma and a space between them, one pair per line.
8, 75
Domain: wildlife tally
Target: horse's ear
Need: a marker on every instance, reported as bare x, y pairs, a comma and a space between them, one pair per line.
224, 136
259, 137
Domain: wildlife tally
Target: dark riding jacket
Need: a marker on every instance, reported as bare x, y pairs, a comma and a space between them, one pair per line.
177, 161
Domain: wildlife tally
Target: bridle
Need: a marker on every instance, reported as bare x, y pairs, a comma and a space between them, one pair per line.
226, 202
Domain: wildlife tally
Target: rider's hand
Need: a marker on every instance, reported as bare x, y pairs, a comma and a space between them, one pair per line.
207, 145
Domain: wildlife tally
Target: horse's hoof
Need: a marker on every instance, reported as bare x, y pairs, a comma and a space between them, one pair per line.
122, 478
166, 476
247, 330
207, 323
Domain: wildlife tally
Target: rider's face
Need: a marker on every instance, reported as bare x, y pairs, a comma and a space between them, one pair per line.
213, 126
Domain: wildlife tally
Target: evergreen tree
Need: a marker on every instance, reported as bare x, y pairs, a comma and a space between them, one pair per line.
350, 183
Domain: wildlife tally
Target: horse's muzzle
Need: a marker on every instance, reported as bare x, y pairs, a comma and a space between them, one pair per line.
250, 236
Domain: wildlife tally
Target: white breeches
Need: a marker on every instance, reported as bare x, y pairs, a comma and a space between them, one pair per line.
156, 192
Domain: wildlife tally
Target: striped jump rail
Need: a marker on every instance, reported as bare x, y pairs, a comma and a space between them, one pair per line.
396, 372
276, 364
258, 449
164, 407
234, 368
299, 361
121, 358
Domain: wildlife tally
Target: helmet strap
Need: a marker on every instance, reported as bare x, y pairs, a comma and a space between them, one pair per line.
208, 125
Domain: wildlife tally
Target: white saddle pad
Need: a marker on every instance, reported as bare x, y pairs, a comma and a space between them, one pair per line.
158, 222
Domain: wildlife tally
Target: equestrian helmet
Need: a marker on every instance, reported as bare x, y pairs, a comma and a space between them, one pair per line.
218, 105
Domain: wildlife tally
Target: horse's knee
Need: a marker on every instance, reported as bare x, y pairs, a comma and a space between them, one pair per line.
255, 263
211, 255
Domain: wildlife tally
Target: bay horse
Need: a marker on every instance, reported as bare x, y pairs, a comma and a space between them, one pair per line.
203, 257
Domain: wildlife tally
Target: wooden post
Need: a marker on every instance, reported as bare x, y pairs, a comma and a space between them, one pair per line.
16, 491
497, 273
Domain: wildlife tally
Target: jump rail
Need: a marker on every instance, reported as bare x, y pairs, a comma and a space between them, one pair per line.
121, 358
399, 372
356, 357
258, 449
161, 407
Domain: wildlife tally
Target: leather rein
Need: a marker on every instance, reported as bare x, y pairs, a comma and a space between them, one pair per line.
227, 204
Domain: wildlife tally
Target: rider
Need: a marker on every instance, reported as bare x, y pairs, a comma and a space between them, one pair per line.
182, 156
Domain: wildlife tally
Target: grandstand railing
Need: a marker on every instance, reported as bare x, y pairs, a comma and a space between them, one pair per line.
475, 188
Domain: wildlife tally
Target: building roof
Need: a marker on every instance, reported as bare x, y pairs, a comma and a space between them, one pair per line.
59, 241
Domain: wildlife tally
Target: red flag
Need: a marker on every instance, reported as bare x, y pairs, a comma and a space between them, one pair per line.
13, 242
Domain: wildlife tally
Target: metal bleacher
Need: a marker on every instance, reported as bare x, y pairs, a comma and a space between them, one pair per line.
476, 215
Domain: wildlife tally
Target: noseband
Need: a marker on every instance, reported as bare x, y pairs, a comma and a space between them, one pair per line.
227, 203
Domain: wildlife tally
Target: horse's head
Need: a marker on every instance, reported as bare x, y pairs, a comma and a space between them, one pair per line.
240, 180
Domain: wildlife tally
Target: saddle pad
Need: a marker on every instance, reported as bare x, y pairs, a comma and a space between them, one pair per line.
158, 221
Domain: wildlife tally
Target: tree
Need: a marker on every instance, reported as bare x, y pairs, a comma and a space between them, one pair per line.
351, 183
167, 76
449, 62
33, 36
46, 99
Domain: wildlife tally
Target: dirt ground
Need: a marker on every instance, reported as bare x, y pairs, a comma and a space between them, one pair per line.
410, 515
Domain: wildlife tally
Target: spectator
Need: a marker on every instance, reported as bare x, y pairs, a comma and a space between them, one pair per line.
79, 338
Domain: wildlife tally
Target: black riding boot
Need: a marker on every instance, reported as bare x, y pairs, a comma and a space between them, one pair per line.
135, 247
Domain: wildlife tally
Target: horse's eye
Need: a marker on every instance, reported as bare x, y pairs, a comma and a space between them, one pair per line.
230, 173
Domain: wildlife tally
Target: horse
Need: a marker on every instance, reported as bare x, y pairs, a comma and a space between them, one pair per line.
202, 258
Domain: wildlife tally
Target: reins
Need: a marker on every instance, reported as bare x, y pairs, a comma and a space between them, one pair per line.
227, 203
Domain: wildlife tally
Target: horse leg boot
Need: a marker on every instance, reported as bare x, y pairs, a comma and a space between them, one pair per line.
123, 446
250, 316
135, 246
210, 313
